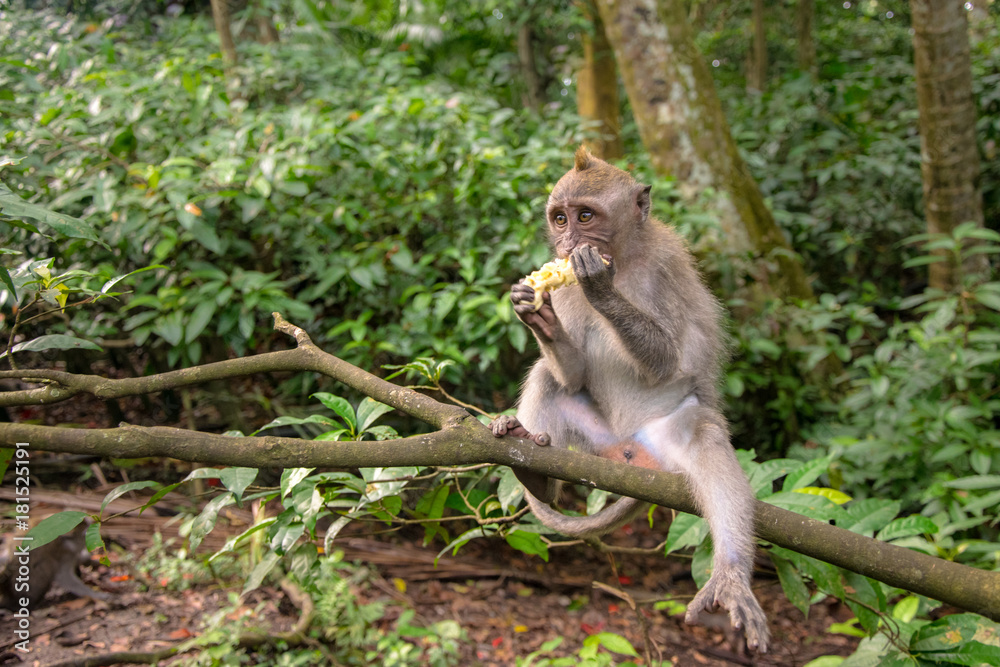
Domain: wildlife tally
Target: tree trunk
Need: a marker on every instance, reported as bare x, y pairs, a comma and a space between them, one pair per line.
682, 125
534, 92
807, 47
597, 89
267, 33
757, 69
949, 158
220, 12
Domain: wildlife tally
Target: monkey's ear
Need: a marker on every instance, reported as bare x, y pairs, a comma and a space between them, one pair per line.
642, 200
582, 158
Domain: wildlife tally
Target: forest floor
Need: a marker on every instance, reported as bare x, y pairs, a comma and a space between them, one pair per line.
507, 603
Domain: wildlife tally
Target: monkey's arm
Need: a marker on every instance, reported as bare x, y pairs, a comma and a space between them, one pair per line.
654, 344
564, 360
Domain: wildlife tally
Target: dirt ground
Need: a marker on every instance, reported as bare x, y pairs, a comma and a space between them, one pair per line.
508, 604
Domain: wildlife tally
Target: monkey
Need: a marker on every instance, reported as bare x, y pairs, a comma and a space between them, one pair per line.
630, 366
30, 573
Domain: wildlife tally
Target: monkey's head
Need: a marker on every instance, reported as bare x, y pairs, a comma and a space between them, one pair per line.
596, 203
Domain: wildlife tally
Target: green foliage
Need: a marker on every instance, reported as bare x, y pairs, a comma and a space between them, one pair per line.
347, 190
921, 405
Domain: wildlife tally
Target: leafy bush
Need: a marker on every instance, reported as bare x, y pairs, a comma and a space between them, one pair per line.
345, 189
921, 405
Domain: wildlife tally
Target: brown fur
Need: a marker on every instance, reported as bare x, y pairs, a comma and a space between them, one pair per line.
630, 366
27, 577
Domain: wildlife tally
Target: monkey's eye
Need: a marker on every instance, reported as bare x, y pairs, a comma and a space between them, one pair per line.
586, 216
560, 219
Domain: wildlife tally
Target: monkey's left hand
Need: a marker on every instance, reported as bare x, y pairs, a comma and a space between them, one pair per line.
595, 277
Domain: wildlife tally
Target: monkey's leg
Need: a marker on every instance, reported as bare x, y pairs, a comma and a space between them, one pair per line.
695, 441
67, 579
573, 419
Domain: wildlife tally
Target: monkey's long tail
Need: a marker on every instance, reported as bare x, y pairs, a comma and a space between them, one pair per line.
610, 518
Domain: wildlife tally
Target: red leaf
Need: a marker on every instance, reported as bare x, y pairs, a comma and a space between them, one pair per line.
496, 642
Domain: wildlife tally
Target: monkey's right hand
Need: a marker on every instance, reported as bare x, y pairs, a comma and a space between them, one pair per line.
544, 322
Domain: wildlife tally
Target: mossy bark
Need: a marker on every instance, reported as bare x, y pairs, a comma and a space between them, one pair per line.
597, 89
806, 44
684, 128
534, 89
220, 12
949, 158
757, 63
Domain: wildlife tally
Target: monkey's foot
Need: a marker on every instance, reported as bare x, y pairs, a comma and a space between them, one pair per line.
509, 425
733, 593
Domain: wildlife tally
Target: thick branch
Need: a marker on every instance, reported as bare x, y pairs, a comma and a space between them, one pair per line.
467, 441
306, 357
462, 439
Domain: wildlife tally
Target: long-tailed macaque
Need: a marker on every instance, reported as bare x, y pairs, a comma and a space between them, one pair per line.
28, 575
630, 367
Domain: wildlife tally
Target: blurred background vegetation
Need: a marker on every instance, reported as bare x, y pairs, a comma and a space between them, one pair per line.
377, 171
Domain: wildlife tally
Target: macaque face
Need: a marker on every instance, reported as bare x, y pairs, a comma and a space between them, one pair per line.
573, 223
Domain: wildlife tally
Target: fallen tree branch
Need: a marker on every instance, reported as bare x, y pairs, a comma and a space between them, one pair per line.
463, 440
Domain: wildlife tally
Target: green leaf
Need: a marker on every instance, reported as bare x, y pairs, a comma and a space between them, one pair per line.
205, 522
369, 410
114, 281
987, 298
54, 527
530, 543
975, 482
807, 474
763, 474
509, 490
66, 225
765, 347
791, 582
92, 537
907, 526
466, 537
870, 514
54, 342
290, 477
616, 643
906, 609
596, 501
8, 283
199, 319
262, 569
340, 406
814, 506
286, 534
287, 420
686, 530
961, 639
237, 480
120, 491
